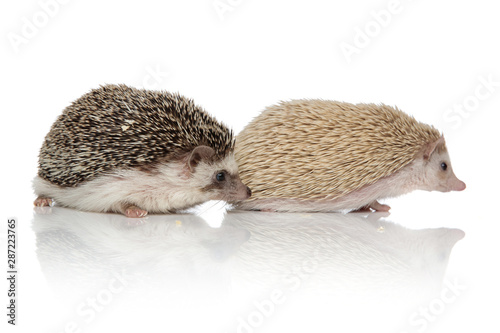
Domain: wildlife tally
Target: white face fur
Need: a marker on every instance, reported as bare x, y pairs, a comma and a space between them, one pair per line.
219, 180
438, 173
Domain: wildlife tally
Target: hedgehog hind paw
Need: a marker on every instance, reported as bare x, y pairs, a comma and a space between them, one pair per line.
375, 206
43, 202
134, 212
378, 207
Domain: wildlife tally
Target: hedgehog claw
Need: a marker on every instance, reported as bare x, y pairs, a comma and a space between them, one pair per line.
375, 205
43, 202
378, 207
134, 212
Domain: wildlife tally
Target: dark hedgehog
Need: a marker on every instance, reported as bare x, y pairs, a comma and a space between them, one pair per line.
121, 149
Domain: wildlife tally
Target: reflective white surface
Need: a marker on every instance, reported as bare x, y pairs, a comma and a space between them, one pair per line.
257, 272
83, 272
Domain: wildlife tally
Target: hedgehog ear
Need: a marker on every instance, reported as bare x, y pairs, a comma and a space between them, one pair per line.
199, 154
430, 147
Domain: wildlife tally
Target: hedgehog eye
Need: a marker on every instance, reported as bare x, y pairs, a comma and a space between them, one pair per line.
444, 166
220, 176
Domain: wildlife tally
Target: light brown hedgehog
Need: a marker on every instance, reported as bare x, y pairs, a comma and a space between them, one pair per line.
320, 155
121, 149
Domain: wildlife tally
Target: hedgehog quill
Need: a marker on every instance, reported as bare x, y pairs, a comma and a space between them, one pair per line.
320, 155
131, 151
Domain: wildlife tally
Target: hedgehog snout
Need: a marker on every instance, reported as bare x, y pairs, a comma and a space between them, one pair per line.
242, 192
452, 183
230, 189
457, 185
247, 192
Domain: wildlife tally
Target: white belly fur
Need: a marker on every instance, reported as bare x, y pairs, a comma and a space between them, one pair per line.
401, 182
154, 192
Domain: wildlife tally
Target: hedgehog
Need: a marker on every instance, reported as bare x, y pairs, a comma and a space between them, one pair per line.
131, 151
321, 155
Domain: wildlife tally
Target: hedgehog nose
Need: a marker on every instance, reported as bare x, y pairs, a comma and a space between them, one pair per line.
460, 186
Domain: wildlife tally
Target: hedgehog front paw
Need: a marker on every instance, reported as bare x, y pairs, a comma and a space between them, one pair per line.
378, 207
134, 212
375, 205
43, 202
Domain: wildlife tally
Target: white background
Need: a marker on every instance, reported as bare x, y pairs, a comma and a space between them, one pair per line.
237, 57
